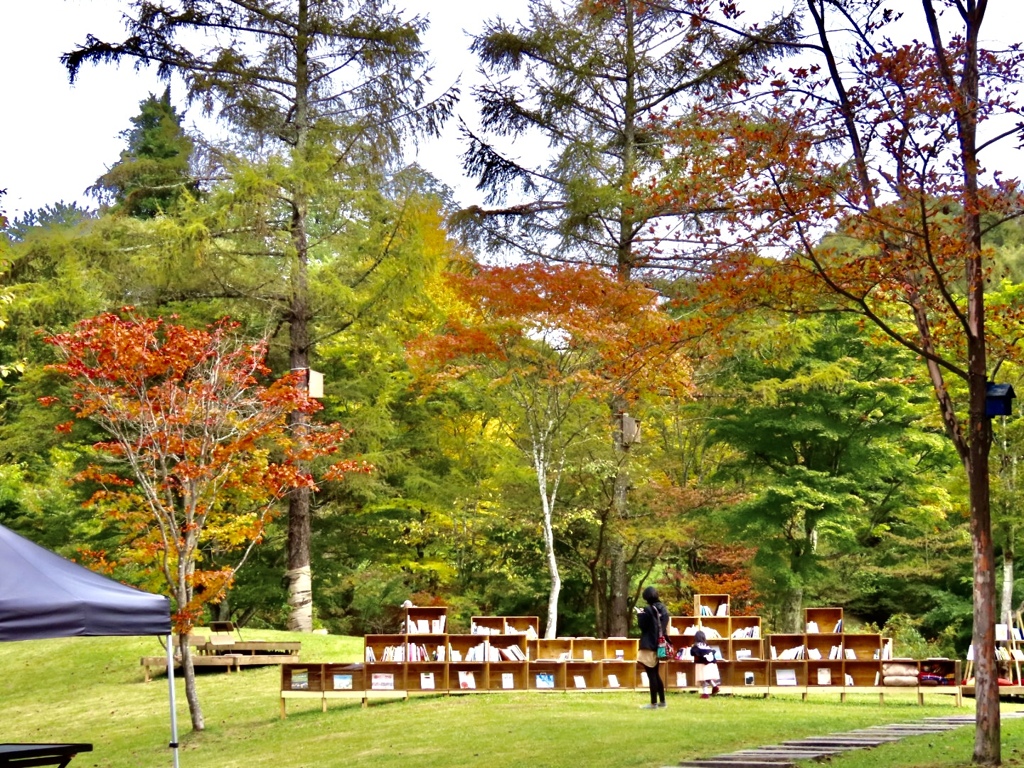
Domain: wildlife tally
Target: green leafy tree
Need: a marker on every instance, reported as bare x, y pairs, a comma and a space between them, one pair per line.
154, 169
315, 89
588, 78
831, 430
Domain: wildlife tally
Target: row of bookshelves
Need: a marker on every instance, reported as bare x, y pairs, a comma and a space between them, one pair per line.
501, 647
757, 677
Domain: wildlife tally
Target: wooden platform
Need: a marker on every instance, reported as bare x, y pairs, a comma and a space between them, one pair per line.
228, 654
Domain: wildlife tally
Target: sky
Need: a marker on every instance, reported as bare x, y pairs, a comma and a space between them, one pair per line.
56, 140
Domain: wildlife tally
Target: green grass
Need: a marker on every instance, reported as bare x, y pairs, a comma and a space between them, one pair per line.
92, 690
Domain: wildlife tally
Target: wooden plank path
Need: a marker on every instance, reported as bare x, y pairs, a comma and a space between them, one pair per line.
822, 747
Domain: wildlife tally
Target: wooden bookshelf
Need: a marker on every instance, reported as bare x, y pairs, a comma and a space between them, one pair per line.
301, 681
420, 663
823, 620
706, 606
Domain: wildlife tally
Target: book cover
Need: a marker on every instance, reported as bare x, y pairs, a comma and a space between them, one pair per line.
343, 682
613, 681
545, 680
588, 655
580, 681
382, 681
508, 680
680, 679
748, 678
785, 677
643, 680
300, 681
427, 681
467, 679
824, 676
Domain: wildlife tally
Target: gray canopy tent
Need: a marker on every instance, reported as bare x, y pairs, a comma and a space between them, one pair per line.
42, 596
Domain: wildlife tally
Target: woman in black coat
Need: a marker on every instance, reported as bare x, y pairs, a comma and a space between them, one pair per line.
653, 622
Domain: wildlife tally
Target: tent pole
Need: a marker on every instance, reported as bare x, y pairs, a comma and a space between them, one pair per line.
174, 708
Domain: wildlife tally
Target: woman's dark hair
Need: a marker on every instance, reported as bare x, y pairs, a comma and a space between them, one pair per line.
699, 637
650, 594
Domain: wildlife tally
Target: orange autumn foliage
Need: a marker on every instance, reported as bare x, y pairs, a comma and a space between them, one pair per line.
199, 453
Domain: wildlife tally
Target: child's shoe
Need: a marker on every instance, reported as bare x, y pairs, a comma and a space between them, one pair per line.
714, 691
704, 696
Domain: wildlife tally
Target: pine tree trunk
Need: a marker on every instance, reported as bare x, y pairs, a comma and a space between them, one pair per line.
299, 573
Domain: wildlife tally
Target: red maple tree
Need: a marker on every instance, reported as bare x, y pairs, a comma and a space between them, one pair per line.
199, 452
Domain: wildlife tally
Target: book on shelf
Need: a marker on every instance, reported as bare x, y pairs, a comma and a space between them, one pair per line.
620, 654
588, 654
743, 653
643, 680
467, 679
382, 681
813, 653
613, 681
455, 655
1002, 633
680, 679
824, 676
878, 677
849, 680
748, 678
838, 628
493, 653
723, 610
370, 657
785, 677
300, 680
887, 649
812, 627
850, 653
742, 633
508, 680
427, 681
579, 681
1017, 653
836, 652
705, 611
545, 680
791, 654
342, 682
477, 652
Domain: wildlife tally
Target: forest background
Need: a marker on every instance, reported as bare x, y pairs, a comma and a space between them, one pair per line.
786, 460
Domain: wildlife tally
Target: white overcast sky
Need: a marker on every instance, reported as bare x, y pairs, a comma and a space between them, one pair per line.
56, 140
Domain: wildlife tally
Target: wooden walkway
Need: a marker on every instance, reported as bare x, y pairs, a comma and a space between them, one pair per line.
785, 754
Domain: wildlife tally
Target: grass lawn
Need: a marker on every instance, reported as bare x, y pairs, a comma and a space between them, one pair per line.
92, 690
